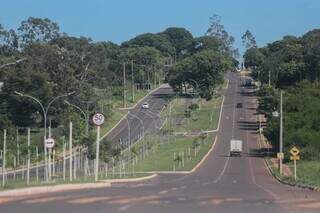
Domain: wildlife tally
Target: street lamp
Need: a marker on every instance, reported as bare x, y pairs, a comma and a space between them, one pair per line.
86, 117
140, 122
45, 113
277, 114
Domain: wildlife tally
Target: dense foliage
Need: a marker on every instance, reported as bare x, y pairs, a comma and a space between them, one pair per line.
39, 60
292, 65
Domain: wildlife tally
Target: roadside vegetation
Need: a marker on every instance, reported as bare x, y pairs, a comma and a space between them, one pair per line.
291, 65
39, 60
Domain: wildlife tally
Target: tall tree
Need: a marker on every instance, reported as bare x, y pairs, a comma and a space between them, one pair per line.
37, 30
248, 40
216, 29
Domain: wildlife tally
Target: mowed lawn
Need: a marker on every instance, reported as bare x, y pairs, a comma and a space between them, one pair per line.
162, 158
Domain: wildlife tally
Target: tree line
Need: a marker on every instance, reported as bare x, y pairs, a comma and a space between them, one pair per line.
291, 64
39, 60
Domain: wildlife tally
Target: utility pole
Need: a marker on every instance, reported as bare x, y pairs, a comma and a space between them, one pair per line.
132, 80
124, 86
269, 79
281, 133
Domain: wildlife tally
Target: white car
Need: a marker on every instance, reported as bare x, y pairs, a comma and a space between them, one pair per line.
145, 106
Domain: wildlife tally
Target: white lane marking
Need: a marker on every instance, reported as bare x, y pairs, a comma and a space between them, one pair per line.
233, 121
223, 171
125, 207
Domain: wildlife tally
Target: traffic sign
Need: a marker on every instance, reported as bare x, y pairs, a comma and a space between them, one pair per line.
49, 143
294, 151
280, 155
295, 157
98, 119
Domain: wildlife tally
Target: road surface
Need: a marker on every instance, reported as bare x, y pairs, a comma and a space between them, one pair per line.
222, 184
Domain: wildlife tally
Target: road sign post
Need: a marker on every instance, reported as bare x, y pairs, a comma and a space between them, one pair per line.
97, 119
295, 156
49, 144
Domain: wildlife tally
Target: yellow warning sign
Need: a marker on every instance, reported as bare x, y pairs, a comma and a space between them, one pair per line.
294, 151
295, 157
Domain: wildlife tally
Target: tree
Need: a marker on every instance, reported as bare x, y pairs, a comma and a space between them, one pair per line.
206, 68
151, 40
216, 29
37, 30
248, 40
180, 38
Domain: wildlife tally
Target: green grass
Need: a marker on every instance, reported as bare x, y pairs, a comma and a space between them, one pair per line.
307, 173
16, 184
204, 118
138, 95
161, 156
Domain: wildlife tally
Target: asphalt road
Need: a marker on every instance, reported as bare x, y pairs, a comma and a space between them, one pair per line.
140, 121
222, 184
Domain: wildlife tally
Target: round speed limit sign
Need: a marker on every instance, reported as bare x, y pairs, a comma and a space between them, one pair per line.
98, 119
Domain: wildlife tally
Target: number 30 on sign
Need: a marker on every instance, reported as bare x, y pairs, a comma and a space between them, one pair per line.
98, 119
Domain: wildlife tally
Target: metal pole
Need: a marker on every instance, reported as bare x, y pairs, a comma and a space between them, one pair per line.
96, 169
70, 151
28, 163
4, 157
281, 133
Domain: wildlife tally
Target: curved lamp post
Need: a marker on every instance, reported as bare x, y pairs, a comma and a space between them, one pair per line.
86, 117
45, 113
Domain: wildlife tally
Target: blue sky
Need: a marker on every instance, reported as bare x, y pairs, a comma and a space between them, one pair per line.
120, 20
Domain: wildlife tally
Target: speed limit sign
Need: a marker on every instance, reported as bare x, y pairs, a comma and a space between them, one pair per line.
98, 119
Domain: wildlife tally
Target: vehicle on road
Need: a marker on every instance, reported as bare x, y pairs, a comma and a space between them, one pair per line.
235, 147
145, 106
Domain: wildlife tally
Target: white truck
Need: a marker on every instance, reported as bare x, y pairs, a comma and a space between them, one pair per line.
235, 147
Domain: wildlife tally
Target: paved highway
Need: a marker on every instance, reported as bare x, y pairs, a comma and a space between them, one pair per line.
141, 121
222, 184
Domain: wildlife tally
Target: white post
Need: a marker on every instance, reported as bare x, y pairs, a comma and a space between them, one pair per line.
14, 167
49, 163
4, 157
96, 171
18, 147
64, 161
53, 163
37, 165
50, 153
295, 169
75, 161
70, 151
28, 163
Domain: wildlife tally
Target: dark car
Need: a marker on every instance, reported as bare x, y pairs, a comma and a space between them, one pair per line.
239, 105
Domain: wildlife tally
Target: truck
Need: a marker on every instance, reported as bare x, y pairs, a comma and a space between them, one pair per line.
235, 147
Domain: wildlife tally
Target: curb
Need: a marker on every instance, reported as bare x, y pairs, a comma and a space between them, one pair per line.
69, 187
209, 131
